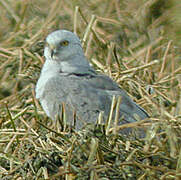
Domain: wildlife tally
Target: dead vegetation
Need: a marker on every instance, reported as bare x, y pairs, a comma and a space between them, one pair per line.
134, 42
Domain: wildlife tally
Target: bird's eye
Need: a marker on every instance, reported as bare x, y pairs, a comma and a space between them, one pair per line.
64, 43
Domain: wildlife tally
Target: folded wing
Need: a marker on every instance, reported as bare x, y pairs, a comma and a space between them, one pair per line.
87, 95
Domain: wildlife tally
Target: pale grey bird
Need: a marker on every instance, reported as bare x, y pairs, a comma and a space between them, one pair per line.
67, 78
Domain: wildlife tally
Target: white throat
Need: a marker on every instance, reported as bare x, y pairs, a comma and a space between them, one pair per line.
50, 68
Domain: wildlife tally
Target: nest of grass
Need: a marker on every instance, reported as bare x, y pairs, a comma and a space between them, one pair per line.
134, 42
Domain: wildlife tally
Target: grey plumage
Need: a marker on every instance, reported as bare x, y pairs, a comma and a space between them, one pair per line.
68, 78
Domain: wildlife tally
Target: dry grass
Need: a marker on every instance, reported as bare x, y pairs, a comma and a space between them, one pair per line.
134, 42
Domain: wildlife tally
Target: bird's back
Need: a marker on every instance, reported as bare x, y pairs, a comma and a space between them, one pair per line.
86, 96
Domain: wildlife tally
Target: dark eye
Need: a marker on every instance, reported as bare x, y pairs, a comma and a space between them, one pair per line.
64, 43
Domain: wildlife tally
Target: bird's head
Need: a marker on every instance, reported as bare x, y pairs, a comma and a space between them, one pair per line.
62, 45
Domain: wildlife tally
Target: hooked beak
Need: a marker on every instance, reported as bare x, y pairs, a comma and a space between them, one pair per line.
51, 53
52, 50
